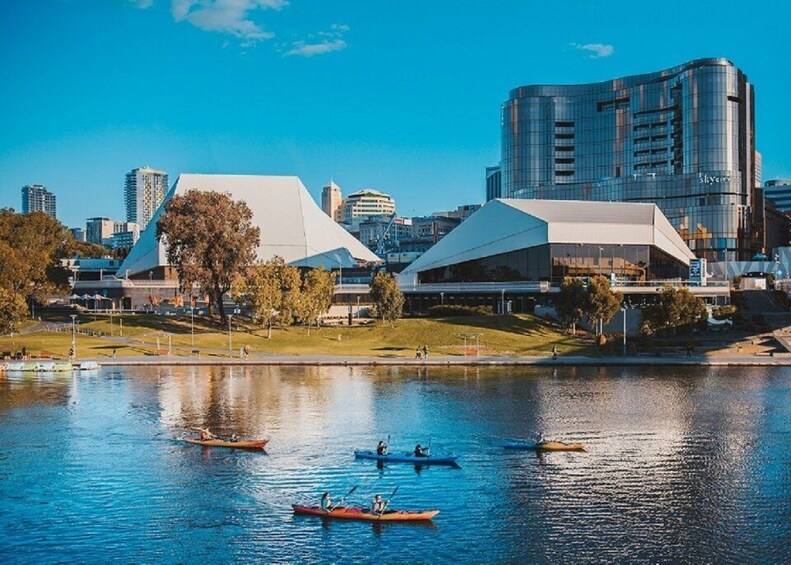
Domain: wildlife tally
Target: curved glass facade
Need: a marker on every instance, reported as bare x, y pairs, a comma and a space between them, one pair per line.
682, 138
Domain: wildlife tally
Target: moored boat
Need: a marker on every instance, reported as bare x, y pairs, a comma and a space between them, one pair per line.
342, 513
89, 366
543, 445
252, 444
407, 458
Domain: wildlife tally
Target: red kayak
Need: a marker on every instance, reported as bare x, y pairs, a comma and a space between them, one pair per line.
365, 514
254, 444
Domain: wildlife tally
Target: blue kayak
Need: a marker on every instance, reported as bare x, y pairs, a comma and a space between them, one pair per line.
407, 458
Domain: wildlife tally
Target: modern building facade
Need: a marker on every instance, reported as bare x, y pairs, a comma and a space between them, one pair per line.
364, 204
461, 213
36, 198
493, 183
125, 235
779, 192
99, 230
682, 138
331, 198
392, 230
144, 191
78, 234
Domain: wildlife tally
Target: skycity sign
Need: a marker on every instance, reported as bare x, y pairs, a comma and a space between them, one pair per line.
705, 178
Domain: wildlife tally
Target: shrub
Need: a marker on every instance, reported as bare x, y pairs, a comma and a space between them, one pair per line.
459, 310
724, 312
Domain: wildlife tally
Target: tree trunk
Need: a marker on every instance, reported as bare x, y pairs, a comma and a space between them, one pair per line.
573, 329
269, 329
220, 306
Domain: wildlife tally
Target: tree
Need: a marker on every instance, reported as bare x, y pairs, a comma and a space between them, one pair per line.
12, 310
674, 308
570, 302
272, 290
601, 303
211, 241
318, 288
387, 296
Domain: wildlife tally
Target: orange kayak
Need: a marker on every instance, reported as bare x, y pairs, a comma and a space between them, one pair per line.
543, 446
364, 514
255, 444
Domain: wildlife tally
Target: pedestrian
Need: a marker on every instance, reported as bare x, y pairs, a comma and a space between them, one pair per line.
24, 353
554, 352
425, 351
417, 352
689, 349
246, 351
71, 354
113, 353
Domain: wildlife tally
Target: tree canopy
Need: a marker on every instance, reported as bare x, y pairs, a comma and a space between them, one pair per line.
386, 296
601, 303
674, 308
318, 288
211, 241
570, 302
272, 290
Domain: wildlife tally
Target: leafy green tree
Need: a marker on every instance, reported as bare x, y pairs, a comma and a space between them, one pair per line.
601, 303
387, 296
211, 241
318, 288
13, 309
570, 302
272, 290
674, 308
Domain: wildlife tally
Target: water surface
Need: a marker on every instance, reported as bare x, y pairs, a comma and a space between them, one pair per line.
684, 464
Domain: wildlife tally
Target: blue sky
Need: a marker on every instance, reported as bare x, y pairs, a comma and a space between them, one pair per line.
402, 96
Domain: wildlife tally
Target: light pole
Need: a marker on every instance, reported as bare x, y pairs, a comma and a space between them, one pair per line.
600, 250
502, 302
73, 337
623, 309
358, 307
442, 298
192, 323
230, 335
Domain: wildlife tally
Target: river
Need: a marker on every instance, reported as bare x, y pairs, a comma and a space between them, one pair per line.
684, 464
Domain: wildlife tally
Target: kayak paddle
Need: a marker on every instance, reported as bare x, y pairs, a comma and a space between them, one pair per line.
334, 506
388, 502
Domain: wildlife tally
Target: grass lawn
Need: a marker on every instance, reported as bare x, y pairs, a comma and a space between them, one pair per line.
517, 335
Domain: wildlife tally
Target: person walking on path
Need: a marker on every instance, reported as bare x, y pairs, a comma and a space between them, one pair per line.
425, 351
554, 352
417, 352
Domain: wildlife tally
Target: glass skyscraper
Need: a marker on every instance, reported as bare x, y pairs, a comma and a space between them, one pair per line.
682, 138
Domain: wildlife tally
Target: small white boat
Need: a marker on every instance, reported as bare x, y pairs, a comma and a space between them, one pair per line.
47, 366
89, 366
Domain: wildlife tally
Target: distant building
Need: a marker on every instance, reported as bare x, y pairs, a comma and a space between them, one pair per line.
777, 229
433, 228
493, 183
36, 198
374, 229
461, 213
759, 169
331, 199
144, 191
125, 235
99, 230
78, 234
364, 204
779, 192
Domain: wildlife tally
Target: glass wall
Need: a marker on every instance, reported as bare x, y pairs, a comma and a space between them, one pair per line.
556, 261
681, 138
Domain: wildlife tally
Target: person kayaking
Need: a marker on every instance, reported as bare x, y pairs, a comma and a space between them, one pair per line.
381, 449
326, 502
206, 435
420, 452
378, 505
539, 438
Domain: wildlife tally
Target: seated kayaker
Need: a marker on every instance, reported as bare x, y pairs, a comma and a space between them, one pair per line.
539, 439
326, 502
234, 438
420, 452
378, 505
381, 449
206, 435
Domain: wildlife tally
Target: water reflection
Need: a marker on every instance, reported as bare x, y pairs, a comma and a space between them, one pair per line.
686, 464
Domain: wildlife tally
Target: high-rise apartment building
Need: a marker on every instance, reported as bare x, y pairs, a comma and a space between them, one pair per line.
331, 198
364, 204
779, 192
682, 138
144, 191
78, 234
36, 198
99, 230
493, 183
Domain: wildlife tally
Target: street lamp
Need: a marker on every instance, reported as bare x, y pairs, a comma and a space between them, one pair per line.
442, 298
73, 337
502, 302
358, 307
230, 335
623, 309
600, 250
192, 322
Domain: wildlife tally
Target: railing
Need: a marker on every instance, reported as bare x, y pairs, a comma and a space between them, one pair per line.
487, 287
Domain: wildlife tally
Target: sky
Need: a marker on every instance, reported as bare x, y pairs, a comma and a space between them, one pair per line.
402, 96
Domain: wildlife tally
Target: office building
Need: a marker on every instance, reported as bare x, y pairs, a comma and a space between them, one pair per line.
779, 192
392, 230
99, 230
36, 198
493, 183
144, 191
78, 234
461, 213
433, 228
331, 198
125, 235
682, 138
364, 204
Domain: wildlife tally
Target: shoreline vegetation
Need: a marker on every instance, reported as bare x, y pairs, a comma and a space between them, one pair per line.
151, 339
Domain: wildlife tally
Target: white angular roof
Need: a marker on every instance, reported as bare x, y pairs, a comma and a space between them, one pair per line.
509, 224
292, 225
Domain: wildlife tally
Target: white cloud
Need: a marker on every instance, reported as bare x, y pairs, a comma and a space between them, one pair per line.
333, 42
231, 17
597, 50
303, 49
